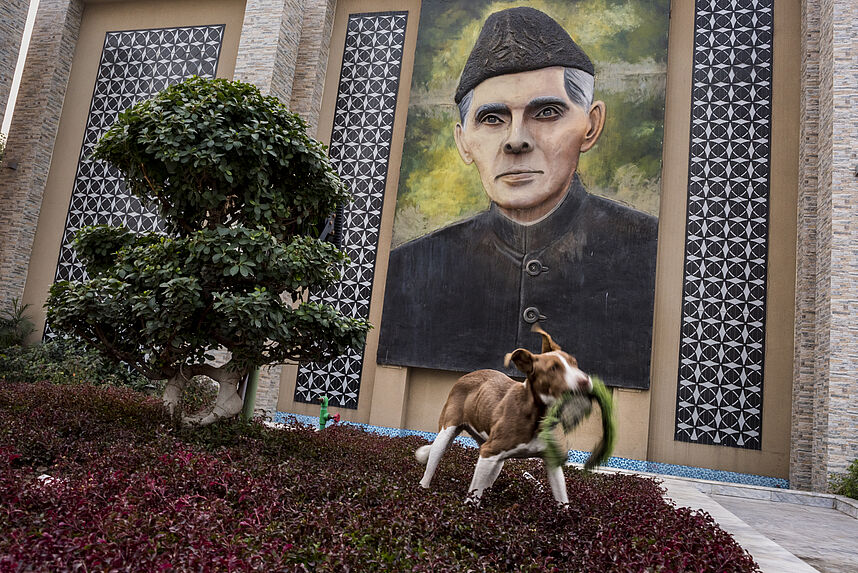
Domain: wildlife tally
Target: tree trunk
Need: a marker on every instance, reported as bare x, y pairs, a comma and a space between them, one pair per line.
228, 403
172, 395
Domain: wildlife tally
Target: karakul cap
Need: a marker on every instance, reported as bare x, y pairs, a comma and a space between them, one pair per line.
519, 40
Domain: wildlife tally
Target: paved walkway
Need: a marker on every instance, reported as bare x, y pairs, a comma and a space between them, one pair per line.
785, 531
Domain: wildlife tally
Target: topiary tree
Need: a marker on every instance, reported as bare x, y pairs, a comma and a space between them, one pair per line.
242, 191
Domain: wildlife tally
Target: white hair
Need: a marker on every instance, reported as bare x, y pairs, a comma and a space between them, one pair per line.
579, 87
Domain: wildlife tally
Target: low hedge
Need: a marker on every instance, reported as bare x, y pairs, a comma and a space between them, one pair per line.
66, 361
71, 361
129, 492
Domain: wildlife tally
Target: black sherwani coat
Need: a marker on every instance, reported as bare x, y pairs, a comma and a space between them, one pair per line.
462, 297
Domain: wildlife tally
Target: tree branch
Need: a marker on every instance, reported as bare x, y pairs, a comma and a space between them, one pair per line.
130, 359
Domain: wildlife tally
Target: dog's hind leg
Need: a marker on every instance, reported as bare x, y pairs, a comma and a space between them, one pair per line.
437, 449
558, 483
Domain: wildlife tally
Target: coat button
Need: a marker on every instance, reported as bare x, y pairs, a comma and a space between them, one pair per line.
534, 267
531, 315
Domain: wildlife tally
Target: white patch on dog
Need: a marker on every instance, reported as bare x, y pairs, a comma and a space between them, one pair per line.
422, 453
547, 399
531, 449
557, 481
573, 376
487, 469
436, 450
485, 474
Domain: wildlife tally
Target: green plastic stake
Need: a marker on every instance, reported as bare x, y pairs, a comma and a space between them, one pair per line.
250, 395
324, 416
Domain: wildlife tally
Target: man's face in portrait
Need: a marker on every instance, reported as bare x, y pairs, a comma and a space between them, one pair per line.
524, 134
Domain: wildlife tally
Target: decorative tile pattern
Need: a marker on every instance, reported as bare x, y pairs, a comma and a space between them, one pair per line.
575, 456
360, 148
720, 390
134, 65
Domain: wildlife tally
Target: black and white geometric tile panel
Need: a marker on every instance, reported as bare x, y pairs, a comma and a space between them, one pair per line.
134, 65
360, 149
720, 385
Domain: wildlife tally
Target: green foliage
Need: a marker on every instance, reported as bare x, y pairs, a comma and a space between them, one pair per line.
846, 483
15, 325
242, 190
67, 361
215, 153
627, 41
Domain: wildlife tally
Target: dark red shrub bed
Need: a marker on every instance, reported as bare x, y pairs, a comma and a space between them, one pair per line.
130, 493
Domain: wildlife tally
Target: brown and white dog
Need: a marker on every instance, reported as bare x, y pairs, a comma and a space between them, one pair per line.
503, 415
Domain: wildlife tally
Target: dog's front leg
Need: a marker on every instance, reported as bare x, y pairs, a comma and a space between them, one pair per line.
558, 483
485, 474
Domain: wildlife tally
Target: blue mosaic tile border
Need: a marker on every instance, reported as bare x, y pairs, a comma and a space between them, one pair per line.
575, 456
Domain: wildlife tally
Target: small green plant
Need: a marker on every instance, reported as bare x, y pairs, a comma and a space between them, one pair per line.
846, 483
15, 325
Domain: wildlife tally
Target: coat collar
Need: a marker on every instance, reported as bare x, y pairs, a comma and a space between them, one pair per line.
521, 239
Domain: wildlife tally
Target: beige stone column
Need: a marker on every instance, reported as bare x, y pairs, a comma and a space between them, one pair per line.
312, 61
284, 51
825, 417
13, 16
268, 50
31, 138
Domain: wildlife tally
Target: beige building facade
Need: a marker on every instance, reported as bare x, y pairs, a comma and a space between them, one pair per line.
300, 50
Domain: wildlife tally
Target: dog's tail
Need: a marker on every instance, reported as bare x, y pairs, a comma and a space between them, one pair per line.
422, 454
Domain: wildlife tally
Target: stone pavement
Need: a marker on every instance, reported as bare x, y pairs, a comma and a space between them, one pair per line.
822, 537
786, 531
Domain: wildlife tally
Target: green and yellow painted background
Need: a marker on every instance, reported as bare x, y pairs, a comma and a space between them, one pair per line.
627, 41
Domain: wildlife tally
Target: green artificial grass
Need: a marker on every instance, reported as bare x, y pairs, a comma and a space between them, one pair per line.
569, 411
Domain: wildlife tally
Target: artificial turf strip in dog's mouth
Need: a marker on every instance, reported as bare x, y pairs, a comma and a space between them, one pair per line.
568, 411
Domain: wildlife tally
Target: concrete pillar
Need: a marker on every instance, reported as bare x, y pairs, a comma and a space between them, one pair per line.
13, 16
825, 415
312, 60
268, 50
31, 138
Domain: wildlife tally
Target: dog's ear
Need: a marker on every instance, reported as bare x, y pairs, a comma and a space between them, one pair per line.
547, 343
522, 359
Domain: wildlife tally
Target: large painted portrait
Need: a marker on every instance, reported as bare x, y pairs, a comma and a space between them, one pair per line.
529, 188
